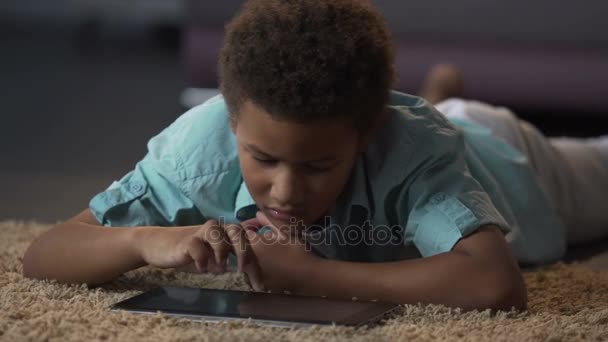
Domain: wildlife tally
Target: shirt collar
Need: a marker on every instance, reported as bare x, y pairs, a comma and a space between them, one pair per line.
360, 185
354, 205
244, 205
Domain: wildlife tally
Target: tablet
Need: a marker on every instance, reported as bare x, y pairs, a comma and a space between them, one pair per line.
262, 308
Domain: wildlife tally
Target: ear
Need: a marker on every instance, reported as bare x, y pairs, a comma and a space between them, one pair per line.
365, 137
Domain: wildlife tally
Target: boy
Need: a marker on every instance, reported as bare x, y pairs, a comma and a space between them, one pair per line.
309, 141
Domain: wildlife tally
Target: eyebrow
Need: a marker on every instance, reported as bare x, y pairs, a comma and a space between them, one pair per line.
258, 151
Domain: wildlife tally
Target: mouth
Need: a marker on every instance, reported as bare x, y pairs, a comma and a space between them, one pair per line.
288, 216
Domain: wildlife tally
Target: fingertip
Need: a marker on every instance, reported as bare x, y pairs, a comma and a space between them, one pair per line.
212, 222
220, 262
199, 267
269, 235
262, 217
223, 266
253, 224
250, 234
259, 287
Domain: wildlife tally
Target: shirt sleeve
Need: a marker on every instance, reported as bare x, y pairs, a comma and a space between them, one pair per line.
144, 197
153, 193
444, 203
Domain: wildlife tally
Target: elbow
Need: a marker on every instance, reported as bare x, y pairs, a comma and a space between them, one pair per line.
29, 263
29, 270
30, 273
35, 259
506, 294
512, 297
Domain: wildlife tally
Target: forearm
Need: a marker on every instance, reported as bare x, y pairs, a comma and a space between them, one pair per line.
77, 252
452, 279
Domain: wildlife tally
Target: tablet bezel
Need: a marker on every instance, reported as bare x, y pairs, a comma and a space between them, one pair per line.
375, 311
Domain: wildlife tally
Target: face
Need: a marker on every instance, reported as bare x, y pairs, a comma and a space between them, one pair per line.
294, 171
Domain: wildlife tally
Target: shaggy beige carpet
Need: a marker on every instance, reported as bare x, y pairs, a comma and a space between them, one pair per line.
567, 303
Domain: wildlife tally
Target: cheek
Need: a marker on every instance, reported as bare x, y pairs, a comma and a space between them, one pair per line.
255, 177
328, 189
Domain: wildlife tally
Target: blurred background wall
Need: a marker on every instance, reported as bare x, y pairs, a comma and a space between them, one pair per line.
85, 83
521, 20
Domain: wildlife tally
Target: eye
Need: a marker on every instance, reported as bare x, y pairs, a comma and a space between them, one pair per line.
266, 162
316, 169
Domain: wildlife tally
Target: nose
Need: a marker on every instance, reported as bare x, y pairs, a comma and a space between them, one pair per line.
286, 188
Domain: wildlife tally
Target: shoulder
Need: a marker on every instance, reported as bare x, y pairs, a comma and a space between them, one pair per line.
199, 142
418, 118
413, 133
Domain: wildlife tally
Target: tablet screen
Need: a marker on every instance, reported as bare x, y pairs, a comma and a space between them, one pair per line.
255, 305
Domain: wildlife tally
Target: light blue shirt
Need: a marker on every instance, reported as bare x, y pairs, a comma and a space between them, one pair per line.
423, 184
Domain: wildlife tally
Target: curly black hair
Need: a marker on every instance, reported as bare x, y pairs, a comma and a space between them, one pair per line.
306, 60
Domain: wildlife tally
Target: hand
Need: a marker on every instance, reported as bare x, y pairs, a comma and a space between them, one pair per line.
206, 246
284, 260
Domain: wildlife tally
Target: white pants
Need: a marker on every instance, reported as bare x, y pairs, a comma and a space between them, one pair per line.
572, 172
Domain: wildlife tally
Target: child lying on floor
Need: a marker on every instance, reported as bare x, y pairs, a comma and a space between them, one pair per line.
363, 191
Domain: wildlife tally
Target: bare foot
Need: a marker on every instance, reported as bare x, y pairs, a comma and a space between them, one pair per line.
442, 82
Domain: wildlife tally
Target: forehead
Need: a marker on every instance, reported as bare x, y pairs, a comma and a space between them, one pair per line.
293, 140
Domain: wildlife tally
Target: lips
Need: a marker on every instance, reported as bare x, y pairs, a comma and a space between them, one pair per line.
281, 215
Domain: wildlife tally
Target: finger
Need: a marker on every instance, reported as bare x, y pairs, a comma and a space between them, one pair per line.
270, 236
199, 253
260, 216
252, 224
213, 267
211, 222
267, 237
240, 244
278, 231
220, 245
254, 276
251, 267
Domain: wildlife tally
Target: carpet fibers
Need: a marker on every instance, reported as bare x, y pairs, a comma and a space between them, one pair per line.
566, 303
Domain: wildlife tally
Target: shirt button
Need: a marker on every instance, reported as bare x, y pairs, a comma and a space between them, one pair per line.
136, 187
